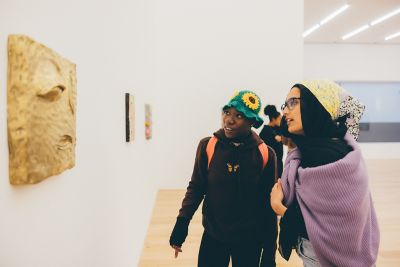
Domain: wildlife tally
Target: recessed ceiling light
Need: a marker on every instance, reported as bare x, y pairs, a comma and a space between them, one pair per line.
334, 14
394, 35
325, 20
363, 28
313, 28
372, 23
385, 17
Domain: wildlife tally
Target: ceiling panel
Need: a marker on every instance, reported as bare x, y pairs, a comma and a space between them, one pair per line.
360, 12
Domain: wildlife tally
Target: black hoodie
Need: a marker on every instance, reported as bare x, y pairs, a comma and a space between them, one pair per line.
236, 191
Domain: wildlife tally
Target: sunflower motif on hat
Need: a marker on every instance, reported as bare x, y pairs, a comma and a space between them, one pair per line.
251, 101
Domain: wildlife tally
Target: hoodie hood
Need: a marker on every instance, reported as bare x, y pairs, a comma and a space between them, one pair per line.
247, 142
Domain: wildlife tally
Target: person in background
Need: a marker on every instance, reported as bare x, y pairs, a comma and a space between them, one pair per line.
238, 220
323, 196
270, 134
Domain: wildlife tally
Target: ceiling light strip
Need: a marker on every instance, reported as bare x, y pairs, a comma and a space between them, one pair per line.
374, 22
325, 20
394, 35
385, 17
334, 14
310, 30
361, 29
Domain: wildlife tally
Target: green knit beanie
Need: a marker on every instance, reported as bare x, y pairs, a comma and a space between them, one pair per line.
248, 103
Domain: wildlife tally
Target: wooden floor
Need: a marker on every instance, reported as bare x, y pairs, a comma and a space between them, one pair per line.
385, 189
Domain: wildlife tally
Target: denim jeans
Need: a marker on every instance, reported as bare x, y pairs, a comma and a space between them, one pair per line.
306, 253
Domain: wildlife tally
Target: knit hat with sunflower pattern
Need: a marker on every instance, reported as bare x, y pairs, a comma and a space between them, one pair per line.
247, 103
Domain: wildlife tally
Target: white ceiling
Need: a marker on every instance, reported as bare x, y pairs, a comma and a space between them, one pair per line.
359, 13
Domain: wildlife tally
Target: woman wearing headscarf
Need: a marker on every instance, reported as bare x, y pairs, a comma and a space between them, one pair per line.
323, 196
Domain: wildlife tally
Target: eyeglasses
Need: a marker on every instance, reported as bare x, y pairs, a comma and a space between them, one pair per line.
290, 103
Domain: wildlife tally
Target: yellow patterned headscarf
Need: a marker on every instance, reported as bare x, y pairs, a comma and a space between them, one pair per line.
338, 102
328, 94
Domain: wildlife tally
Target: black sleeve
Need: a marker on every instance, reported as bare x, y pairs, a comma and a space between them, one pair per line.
289, 230
198, 183
267, 135
269, 244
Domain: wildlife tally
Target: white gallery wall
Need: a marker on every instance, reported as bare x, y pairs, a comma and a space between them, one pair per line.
352, 62
359, 63
185, 58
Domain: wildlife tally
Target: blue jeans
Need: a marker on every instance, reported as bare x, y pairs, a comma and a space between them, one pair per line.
306, 252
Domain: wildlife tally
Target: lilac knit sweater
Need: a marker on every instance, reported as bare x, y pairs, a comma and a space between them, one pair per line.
337, 208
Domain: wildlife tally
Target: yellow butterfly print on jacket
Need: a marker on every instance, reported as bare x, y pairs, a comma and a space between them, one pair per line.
232, 168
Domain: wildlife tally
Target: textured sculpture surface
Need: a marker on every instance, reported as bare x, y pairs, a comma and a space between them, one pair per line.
41, 96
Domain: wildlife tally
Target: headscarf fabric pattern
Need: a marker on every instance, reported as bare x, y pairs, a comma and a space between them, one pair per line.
338, 103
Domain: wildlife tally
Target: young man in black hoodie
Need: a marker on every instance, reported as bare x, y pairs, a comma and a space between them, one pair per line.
234, 181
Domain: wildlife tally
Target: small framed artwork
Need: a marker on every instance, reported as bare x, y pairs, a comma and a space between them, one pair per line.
129, 117
147, 121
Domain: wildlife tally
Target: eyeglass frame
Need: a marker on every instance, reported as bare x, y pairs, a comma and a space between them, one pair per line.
292, 104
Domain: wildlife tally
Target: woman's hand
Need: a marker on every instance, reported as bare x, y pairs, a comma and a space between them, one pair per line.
179, 234
177, 250
278, 138
277, 198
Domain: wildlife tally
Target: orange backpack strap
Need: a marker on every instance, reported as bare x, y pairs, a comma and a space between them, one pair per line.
264, 153
210, 148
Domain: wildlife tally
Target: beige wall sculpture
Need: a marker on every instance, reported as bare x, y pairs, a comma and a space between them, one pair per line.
41, 95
